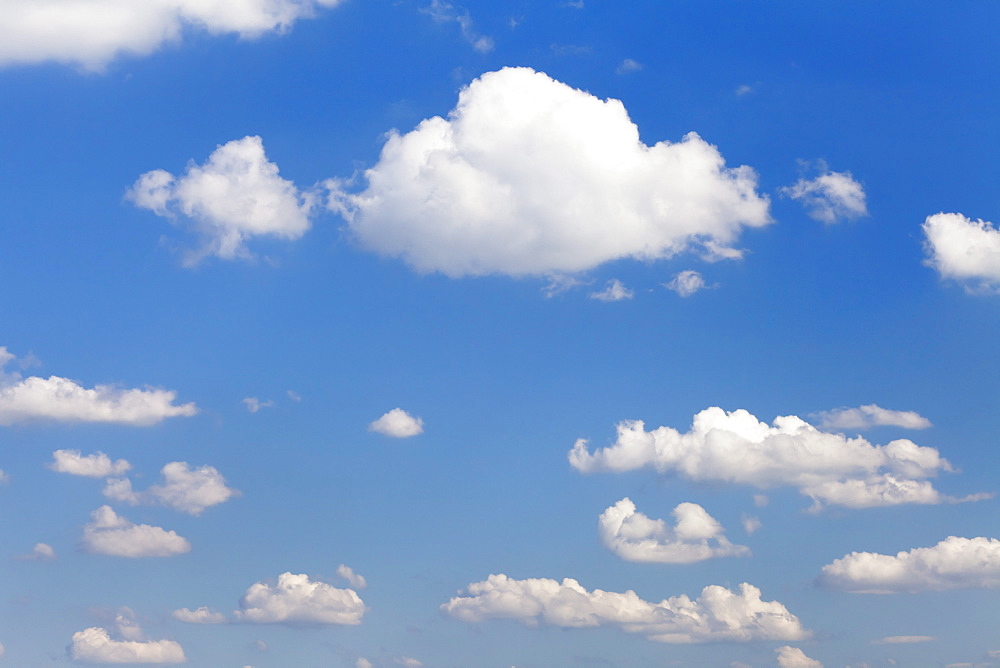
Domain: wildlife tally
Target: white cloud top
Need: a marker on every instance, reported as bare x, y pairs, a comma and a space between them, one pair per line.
356, 580
954, 563
718, 615
97, 465
185, 489
110, 534
695, 536
528, 176
793, 657
737, 448
963, 250
868, 416
94, 645
297, 599
686, 283
615, 291
41, 552
235, 196
93, 32
398, 424
830, 197
202, 615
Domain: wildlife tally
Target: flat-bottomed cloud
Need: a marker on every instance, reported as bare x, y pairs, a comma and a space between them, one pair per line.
95, 645
111, 534
298, 599
964, 250
397, 423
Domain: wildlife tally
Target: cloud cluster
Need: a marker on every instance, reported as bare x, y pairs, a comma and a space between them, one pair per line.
528, 176
737, 448
397, 423
111, 534
717, 615
95, 645
297, 599
235, 196
793, 657
830, 197
185, 489
695, 536
954, 563
868, 416
963, 250
92, 32
97, 465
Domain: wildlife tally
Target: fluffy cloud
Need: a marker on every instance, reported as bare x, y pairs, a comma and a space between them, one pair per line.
185, 489
964, 250
868, 416
297, 599
737, 448
830, 197
695, 536
235, 196
954, 563
41, 552
94, 645
615, 291
202, 615
97, 465
356, 580
528, 176
398, 424
686, 283
92, 32
793, 657
34, 399
109, 533
896, 640
719, 614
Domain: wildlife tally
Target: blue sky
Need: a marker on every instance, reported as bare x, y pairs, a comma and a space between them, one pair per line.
359, 333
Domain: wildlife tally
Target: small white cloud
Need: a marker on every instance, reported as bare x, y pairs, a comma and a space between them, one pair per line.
110, 534
94, 645
362, 663
830, 197
530, 177
41, 552
627, 66
202, 615
254, 404
297, 599
793, 657
686, 283
964, 250
408, 661
235, 196
761, 500
354, 579
718, 615
294, 396
4, 477
558, 284
868, 416
751, 524
695, 536
260, 645
743, 90
954, 563
185, 489
398, 424
896, 640
614, 292
36, 399
445, 12
97, 465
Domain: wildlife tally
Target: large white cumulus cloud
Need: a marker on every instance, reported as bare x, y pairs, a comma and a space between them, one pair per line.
95, 645
954, 563
695, 536
963, 250
92, 32
717, 615
738, 448
528, 176
297, 599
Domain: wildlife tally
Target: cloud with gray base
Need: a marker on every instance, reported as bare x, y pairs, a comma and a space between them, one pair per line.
110, 534
97, 465
963, 250
298, 599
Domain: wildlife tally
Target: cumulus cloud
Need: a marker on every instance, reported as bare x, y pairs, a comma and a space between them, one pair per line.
95, 645
954, 563
615, 291
964, 250
686, 283
868, 416
446, 12
110, 534
737, 448
895, 640
202, 615
297, 599
695, 536
830, 197
528, 176
185, 489
91, 33
793, 657
356, 580
41, 552
398, 424
97, 465
627, 66
235, 196
718, 615
36, 399
751, 524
